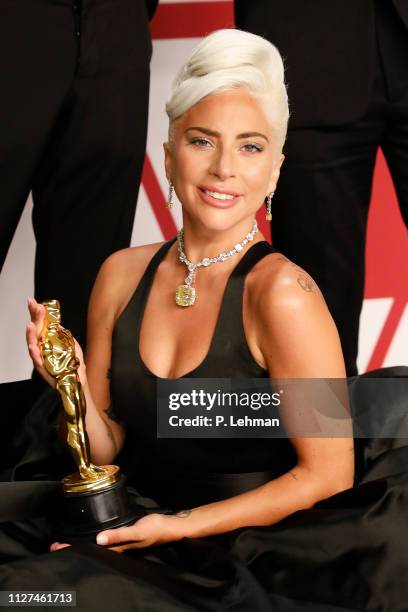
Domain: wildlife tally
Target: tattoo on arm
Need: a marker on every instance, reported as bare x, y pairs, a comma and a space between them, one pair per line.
112, 415
112, 439
183, 513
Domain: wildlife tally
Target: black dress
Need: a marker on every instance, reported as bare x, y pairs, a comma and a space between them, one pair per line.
348, 552
216, 468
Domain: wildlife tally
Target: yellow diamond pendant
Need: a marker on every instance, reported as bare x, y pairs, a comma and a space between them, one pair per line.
185, 295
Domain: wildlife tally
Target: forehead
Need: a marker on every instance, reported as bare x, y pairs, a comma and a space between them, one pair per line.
226, 112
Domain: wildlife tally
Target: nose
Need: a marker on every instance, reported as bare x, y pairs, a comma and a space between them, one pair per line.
222, 164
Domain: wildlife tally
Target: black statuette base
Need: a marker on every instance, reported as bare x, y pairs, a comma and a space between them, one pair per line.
81, 516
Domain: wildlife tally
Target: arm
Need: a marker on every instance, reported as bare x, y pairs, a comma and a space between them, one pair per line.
115, 283
106, 433
296, 338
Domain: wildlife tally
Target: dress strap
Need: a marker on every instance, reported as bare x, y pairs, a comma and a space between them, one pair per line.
155, 262
136, 302
229, 331
257, 252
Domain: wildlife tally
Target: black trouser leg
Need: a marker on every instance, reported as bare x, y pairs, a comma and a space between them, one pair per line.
37, 63
85, 190
320, 212
73, 118
395, 149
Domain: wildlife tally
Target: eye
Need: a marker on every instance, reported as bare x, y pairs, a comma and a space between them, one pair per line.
200, 142
252, 148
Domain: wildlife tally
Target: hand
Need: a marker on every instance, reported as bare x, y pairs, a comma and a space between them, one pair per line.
33, 331
150, 530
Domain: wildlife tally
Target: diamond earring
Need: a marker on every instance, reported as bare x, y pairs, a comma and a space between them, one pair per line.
170, 196
269, 197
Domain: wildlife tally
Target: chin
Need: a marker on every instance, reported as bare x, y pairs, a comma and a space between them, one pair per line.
219, 219
223, 221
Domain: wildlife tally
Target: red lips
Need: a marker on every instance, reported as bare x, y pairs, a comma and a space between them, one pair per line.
208, 199
219, 190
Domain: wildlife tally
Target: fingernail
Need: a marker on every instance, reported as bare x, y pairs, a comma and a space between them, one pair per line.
101, 538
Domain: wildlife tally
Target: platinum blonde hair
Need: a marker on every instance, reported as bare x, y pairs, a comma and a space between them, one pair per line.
232, 59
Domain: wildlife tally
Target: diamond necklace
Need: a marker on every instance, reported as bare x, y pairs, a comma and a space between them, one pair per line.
186, 294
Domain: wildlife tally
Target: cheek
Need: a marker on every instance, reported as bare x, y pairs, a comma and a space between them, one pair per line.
188, 165
257, 173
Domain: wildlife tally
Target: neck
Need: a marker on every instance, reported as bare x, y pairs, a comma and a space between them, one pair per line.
199, 243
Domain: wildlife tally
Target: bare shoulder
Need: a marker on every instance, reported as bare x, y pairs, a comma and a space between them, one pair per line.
292, 326
131, 261
276, 280
119, 276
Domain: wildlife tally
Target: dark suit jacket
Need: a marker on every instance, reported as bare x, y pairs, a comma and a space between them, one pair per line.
328, 48
151, 7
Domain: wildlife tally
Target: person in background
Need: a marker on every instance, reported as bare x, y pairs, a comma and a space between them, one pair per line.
73, 120
346, 68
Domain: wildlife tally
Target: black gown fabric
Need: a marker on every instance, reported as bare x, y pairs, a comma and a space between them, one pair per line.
347, 553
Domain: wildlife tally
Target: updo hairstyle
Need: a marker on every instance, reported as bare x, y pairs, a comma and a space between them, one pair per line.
230, 59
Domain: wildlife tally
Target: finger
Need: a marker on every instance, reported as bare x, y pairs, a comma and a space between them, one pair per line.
31, 304
33, 347
123, 547
57, 546
32, 307
32, 339
115, 536
37, 313
78, 349
39, 318
31, 334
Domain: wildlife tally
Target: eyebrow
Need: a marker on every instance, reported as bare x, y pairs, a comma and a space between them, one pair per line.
217, 134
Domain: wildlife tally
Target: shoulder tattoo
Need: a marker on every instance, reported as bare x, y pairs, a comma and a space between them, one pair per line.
306, 283
303, 280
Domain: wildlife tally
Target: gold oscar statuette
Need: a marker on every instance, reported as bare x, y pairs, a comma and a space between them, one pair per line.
94, 497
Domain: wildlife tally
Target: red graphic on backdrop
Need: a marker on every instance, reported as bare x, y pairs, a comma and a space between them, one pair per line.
191, 19
387, 240
386, 257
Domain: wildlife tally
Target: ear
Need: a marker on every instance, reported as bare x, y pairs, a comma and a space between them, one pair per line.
168, 161
275, 173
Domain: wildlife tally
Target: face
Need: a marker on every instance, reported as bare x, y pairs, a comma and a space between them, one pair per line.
222, 160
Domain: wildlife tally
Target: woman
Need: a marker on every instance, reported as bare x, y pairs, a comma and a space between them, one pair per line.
248, 313
223, 158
